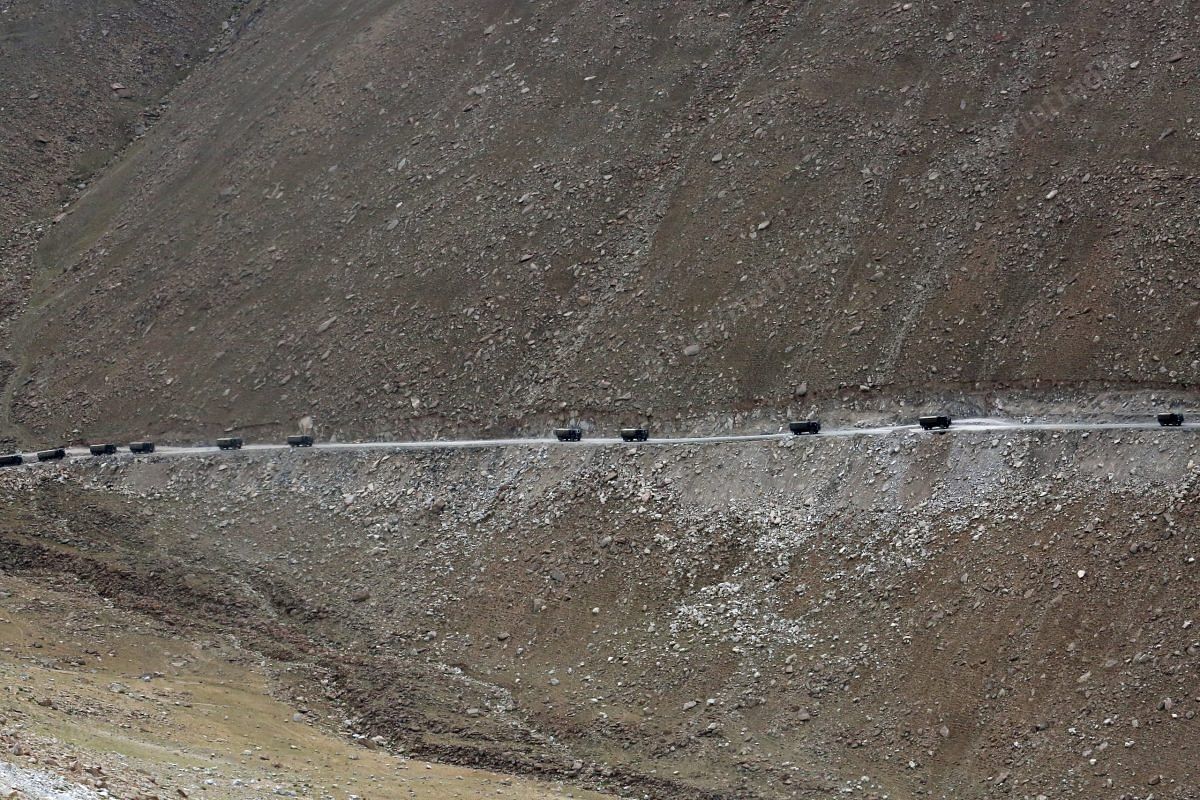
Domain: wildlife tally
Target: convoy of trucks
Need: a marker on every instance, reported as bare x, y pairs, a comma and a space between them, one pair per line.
806, 427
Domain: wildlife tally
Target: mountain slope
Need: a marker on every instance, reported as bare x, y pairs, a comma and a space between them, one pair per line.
403, 216
78, 82
968, 616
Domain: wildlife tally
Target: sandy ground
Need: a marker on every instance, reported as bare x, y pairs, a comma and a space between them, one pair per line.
176, 717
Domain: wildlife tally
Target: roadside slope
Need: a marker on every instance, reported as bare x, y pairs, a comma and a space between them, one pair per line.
915, 616
396, 217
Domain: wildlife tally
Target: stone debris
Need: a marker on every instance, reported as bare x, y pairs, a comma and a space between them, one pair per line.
730, 595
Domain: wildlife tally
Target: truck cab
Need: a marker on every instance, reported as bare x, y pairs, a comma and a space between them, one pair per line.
635, 434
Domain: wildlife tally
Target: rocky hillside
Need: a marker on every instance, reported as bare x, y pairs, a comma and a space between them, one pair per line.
967, 616
78, 83
403, 215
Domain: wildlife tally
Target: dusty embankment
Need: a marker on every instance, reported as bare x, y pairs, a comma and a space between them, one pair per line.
102, 698
963, 616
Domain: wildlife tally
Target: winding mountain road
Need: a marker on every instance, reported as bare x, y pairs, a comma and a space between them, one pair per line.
961, 426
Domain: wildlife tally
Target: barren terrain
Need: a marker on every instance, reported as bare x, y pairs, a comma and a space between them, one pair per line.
78, 83
406, 220
101, 697
973, 615
403, 217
